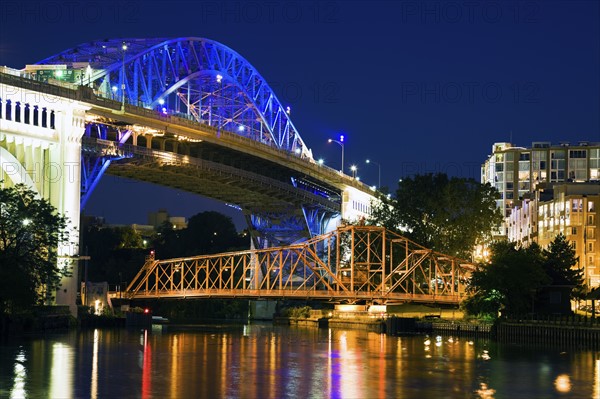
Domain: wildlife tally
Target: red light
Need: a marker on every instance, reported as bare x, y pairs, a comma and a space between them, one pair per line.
152, 252
146, 310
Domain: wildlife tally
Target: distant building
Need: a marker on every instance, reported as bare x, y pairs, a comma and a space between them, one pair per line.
517, 171
159, 218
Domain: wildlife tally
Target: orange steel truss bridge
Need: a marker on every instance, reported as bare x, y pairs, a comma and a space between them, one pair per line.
351, 264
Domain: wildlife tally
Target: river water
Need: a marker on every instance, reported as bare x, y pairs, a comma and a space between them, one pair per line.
265, 361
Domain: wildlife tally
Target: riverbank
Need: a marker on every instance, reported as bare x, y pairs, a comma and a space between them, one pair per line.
39, 319
574, 332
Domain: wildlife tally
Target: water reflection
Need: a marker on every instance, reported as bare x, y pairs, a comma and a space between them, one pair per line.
61, 373
263, 361
18, 389
597, 377
94, 382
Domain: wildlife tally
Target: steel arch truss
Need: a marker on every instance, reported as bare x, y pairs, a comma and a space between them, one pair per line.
97, 155
353, 263
194, 77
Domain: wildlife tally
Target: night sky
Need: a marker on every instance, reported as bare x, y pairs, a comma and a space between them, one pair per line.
415, 86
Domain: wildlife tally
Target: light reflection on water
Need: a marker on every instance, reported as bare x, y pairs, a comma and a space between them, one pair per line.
263, 361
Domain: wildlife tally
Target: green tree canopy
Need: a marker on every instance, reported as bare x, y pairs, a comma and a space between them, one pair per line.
116, 253
449, 215
509, 282
31, 231
514, 277
206, 233
559, 263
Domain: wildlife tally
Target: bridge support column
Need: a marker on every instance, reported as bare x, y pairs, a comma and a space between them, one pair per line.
275, 229
95, 160
262, 309
43, 150
320, 221
70, 127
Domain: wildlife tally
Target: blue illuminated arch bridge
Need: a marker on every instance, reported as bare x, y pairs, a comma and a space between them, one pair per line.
193, 114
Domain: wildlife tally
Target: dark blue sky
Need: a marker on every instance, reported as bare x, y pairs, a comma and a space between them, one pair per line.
418, 86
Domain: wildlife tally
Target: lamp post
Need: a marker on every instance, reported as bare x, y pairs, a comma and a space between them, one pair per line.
124, 48
379, 170
353, 168
220, 82
341, 144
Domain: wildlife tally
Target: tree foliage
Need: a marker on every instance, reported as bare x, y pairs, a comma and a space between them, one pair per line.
450, 215
559, 263
31, 230
206, 233
117, 253
514, 277
509, 282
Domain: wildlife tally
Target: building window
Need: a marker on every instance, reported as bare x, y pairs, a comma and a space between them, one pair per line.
591, 261
578, 169
595, 164
590, 247
591, 206
590, 219
557, 175
577, 154
524, 156
557, 165
576, 205
573, 230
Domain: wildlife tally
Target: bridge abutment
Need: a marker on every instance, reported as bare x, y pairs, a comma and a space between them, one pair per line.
40, 146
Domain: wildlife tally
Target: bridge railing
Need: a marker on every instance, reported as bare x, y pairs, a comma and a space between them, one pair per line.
353, 263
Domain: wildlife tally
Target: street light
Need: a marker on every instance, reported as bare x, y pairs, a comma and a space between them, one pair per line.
220, 82
353, 168
341, 143
379, 168
124, 48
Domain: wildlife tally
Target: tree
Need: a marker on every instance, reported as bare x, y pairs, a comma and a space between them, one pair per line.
116, 253
559, 261
207, 233
31, 231
509, 283
450, 215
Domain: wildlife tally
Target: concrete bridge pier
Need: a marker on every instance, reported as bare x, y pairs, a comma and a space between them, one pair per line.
40, 146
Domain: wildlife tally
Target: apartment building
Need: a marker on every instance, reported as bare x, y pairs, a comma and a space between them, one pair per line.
517, 171
567, 208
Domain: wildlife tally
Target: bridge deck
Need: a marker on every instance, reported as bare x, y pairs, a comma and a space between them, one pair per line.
289, 294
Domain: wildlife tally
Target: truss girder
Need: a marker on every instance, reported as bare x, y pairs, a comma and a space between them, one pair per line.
197, 77
352, 263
